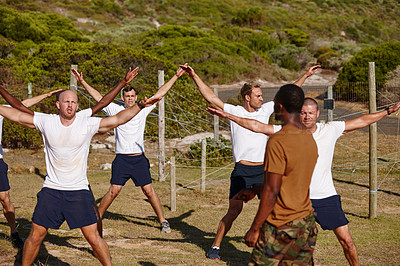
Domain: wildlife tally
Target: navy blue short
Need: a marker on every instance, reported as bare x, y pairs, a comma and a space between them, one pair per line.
330, 214
125, 167
4, 184
56, 206
245, 176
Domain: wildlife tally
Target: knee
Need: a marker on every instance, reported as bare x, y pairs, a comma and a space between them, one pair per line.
348, 244
94, 240
114, 193
148, 191
4, 198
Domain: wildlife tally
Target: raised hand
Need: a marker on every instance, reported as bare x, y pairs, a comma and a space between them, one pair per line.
77, 75
312, 70
188, 69
131, 74
49, 94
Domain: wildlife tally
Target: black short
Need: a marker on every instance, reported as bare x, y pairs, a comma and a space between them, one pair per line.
4, 184
330, 214
125, 167
56, 206
245, 176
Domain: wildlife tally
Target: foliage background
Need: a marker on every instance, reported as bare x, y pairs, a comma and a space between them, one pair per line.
225, 41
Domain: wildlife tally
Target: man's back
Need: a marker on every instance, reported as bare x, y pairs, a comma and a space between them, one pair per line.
291, 152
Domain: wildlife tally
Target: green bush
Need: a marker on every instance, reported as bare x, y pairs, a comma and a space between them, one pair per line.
252, 16
297, 37
38, 27
323, 55
386, 57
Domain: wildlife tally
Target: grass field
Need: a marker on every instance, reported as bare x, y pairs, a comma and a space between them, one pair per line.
133, 233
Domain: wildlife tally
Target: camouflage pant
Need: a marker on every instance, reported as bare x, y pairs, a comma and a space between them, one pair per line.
290, 244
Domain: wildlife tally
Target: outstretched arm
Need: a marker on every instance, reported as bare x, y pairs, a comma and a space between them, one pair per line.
36, 99
17, 116
368, 119
309, 73
14, 102
251, 124
124, 116
165, 88
206, 91
104, 101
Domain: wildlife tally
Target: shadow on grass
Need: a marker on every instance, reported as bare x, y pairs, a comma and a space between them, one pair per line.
192, 235
365, 186
44, 257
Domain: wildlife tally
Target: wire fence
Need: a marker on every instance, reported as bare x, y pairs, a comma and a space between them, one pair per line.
351, 154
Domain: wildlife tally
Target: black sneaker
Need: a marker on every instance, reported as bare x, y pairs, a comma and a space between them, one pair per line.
16, 241
213, 254
165, 227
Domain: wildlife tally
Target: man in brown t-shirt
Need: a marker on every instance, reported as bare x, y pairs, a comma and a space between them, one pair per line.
284, 229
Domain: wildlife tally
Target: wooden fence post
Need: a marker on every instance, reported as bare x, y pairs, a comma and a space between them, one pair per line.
73, 83
373, 167
161, 131
203, 164
173, 184
216, 122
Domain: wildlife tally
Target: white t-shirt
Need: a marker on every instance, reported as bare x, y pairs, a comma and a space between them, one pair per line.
66, 149
325, 136
247, 145
129, 136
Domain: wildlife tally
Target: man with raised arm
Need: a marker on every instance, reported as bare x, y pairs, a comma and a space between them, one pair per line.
326, 202
8, 207
104, 101
248, 147
130, 161
65, 194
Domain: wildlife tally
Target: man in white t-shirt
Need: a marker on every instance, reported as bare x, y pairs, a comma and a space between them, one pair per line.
248, 148
65, 195
326, 202
130, 161
5, 200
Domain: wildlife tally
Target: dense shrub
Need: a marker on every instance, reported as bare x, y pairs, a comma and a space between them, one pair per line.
38, 27
386, 57
324, 55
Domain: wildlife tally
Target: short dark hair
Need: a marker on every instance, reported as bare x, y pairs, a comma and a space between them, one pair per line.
129, 88
291, 97
247, 87
310, 101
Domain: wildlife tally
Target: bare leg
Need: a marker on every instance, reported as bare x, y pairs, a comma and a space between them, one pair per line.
100, 247
108, 198
155, 202
8, 210
32, 244
350, 250
235, 208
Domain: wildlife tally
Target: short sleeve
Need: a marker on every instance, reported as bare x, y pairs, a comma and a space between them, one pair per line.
229, 108
268, 107
39, 120
275, 157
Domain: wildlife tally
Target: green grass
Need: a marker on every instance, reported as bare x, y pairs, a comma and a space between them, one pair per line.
133, 233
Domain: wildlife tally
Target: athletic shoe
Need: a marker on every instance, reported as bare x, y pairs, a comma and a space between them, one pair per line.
213, 254
16, 241
165, 227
